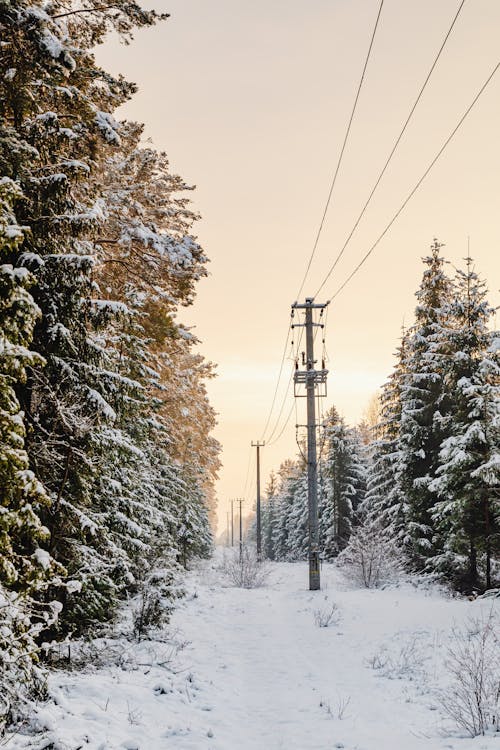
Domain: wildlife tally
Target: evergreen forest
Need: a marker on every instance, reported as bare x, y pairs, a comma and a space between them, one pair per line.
107, 466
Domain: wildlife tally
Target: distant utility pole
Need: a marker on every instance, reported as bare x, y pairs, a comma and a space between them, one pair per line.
312, 378
227, 529
259, 531
232, 523
240, 501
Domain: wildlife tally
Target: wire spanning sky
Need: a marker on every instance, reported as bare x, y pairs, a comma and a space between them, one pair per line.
251, 101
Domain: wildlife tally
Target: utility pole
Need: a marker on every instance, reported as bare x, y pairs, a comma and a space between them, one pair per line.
240, 501
259, 531
232, 524
227, 529
311, 378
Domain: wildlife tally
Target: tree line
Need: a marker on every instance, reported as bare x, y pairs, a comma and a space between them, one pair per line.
106, 458
425, 475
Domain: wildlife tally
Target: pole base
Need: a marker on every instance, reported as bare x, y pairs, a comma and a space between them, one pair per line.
314, 577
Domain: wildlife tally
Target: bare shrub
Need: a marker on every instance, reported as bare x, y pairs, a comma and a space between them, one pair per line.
339, 712
244, 571
472, 699
371, 558
327, 616
407, 662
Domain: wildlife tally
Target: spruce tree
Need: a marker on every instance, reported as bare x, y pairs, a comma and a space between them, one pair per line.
425, 403
26, 568
384, 504
344, 485
269, 517
468, 476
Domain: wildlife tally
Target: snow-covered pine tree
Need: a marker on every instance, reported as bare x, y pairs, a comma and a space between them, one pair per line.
468, 475
298, 520
288, 474
26, 569
193, 533
425, 402
384, 502
147, 243
269, 517
344, 476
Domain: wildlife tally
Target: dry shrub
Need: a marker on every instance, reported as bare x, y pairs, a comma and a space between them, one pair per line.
472, 699
323, 618
371, 558
244, 571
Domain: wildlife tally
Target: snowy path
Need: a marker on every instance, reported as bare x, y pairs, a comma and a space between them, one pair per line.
276, 680
257, 673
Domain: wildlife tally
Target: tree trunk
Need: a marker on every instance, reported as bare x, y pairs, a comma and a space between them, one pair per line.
472, 566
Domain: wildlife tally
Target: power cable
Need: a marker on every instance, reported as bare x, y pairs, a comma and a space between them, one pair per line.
270, 439
411, 194
339, 162
284, 426
277, 385
348, 130
248, 471
393, 150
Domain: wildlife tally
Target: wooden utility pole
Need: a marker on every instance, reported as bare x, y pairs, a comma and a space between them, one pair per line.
240, 501
232, 524
311, 378
259, 528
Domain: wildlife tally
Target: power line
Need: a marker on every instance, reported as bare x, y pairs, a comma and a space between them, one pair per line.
250, 453
348, 130
283, 428
411, 194
270, 438
339, 162
393, 150
277, 384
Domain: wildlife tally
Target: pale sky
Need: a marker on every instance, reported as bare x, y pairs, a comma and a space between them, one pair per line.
251, 102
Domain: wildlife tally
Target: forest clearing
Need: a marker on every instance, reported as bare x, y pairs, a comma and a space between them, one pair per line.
274, 667
182, 365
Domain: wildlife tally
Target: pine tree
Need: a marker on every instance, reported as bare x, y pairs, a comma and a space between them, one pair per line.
298, 520
26, 569
468, 476
384, 504
425, 404
288, 475
269, 517
344, 484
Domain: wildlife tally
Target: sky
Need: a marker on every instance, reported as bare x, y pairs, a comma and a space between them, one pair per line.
251, 102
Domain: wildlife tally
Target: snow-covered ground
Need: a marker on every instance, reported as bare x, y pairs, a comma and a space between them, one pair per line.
252, 670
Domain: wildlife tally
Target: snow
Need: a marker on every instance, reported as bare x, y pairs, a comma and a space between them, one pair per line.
108, 126
101, 405
111, 306
250, 669
42, 557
